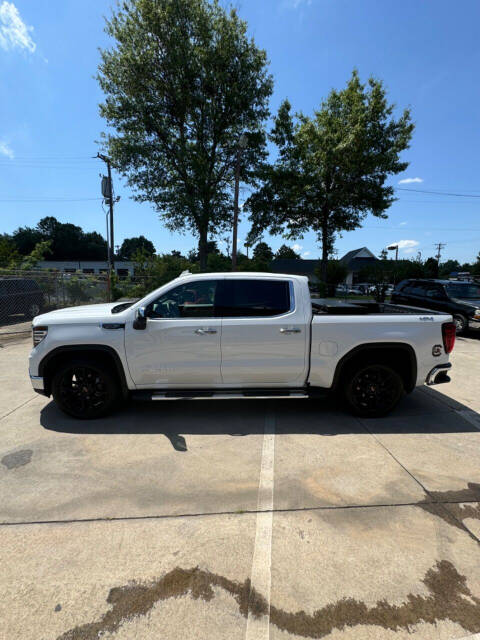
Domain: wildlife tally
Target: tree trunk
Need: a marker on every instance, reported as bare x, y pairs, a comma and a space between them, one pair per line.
325, 247
202, 250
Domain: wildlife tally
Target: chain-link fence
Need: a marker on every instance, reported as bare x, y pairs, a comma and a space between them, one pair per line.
25, 294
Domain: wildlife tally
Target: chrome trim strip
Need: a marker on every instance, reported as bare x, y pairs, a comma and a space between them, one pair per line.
435, 371
37, 383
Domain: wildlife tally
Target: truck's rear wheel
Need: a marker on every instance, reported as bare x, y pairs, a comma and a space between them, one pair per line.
85, 389
372, 390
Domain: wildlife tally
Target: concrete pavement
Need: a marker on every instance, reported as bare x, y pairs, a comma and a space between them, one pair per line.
147, 524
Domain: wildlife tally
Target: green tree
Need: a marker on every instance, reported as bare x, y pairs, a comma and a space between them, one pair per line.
383, 254
262, 257
332, 168
430, 268
130, 246
8, 251
287, 253
182, 83
38, 254
25, 239
448, 266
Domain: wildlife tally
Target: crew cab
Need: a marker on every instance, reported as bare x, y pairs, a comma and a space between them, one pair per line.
230, 335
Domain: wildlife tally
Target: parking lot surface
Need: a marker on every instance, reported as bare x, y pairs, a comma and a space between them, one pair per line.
255, 519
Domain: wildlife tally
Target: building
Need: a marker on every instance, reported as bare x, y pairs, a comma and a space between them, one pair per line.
356, 260
95, 267
297, 267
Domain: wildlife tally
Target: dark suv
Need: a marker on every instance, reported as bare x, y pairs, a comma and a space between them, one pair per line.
461, 299
19, 296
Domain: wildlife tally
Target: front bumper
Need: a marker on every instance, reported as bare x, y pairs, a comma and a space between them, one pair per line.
38, 385
438, 375
473, 324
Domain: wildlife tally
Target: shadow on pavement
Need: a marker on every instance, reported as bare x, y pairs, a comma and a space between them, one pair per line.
426, 410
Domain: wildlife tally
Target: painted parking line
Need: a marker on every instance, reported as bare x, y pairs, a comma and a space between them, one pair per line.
258, 624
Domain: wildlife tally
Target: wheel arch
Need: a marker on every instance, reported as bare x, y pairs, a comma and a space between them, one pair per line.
103, 353
404, 362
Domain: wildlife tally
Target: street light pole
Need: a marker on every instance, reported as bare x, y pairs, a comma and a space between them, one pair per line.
242, 143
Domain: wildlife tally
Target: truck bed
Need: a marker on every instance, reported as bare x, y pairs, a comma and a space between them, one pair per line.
323, 306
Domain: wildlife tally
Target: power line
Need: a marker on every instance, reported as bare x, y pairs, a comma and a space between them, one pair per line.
49, 199
440, 193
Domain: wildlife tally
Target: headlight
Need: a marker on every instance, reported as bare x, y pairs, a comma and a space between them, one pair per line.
477, 314
38, 334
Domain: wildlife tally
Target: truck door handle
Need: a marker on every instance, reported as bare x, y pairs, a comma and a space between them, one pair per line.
292, 330
201, 332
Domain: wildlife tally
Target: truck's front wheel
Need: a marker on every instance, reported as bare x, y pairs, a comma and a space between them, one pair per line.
372, 390
85, 389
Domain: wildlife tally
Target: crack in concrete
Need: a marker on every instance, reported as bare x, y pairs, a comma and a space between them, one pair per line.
449, 599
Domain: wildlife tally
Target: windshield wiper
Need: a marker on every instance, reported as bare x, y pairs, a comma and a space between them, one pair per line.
122, 306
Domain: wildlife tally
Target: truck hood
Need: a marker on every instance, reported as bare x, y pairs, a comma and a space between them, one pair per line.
475, 304
84, 314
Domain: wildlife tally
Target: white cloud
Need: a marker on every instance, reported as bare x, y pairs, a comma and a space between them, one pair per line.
305, 254
14, 33
402, 224
294, 4
410, 180
296, 247
407, 246
5, 150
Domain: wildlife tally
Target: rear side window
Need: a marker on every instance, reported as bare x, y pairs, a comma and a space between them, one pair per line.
415, 289
253, 298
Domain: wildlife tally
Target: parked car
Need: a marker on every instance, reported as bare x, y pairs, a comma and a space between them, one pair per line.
236, 336
461, 299
20, 296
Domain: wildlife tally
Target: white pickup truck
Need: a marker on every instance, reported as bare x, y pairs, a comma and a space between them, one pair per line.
230, 335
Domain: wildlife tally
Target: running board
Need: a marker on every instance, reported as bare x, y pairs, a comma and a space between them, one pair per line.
226, 394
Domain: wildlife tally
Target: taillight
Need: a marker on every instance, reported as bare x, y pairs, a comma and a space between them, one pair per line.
449, 331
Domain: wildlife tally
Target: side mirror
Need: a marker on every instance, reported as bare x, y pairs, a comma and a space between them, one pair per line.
140, 322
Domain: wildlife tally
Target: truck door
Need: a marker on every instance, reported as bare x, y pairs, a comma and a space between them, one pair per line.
265, 332
180, 346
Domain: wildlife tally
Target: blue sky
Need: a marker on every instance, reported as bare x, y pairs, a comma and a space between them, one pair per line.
428, 54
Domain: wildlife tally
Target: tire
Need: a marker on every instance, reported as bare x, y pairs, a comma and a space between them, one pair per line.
85, 389
461, 323
372, 390
33, 310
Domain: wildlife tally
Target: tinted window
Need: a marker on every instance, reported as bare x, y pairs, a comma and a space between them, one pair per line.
435, 291
458, 290
415, 289
189, 300
253, 298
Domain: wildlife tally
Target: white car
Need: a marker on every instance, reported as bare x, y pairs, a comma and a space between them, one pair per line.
231, 335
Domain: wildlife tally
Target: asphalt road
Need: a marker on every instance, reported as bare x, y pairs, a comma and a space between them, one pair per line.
251, 520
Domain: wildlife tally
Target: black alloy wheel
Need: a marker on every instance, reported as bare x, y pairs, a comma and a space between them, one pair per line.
460, 324
373, 390
85, 390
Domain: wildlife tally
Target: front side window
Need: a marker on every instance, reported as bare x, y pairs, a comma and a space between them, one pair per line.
189, 300
253, 298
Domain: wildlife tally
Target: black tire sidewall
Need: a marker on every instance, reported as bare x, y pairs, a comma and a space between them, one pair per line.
362, 411
110, 382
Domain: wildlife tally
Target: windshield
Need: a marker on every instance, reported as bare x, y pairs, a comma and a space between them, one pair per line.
471, 291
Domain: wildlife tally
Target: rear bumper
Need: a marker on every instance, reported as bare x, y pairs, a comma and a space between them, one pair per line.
38, 385
438, 375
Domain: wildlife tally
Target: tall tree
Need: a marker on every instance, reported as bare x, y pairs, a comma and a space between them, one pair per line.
130, 246
287, 252
182, 83
332, 168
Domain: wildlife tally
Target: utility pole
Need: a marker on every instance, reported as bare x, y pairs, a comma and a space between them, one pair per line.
242, 143
440, 246
109, 197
